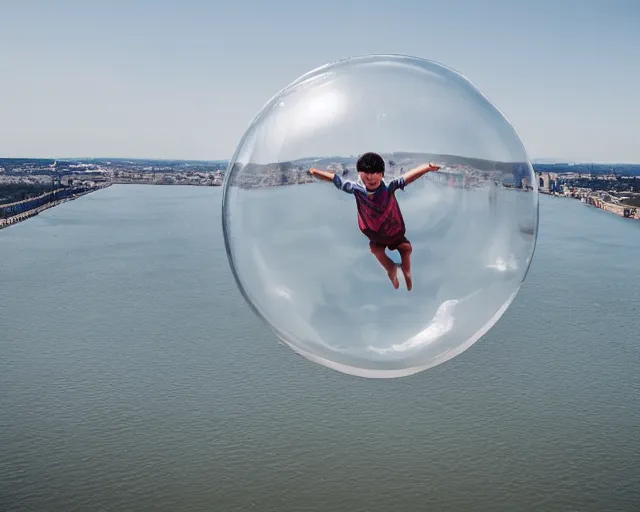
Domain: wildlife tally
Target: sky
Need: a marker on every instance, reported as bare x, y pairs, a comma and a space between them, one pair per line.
183, 79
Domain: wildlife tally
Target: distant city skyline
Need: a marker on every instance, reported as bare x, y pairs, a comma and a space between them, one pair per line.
182, 81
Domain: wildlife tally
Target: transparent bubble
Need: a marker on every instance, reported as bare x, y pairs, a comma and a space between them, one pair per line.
294, 244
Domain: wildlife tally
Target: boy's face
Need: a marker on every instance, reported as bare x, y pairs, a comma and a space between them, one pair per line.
371, 180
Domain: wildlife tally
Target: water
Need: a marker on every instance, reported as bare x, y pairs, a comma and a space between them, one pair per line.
134, 377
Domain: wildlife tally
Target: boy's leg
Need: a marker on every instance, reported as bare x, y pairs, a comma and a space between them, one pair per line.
386, 262
405, 250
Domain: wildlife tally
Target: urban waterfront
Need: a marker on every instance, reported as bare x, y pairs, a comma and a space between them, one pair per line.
136, 378
29, 186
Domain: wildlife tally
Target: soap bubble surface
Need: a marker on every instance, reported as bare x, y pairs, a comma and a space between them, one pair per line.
293, 241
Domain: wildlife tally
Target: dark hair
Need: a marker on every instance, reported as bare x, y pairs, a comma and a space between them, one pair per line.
370, 163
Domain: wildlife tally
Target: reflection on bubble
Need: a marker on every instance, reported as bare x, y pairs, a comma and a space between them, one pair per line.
294, 244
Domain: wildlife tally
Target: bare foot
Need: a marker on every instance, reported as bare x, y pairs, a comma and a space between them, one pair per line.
407, 278
393, 275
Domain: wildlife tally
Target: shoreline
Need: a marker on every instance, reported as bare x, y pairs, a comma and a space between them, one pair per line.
616, 209
27, 214
613, 208
179, 184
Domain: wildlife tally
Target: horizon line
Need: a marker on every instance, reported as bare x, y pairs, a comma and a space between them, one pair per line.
538, 160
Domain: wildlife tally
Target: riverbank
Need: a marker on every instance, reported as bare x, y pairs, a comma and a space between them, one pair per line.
596, 200
24, 214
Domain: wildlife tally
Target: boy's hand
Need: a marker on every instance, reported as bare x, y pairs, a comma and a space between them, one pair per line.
323, 175
417, 172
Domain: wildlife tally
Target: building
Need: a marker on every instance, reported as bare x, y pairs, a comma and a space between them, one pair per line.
549, 183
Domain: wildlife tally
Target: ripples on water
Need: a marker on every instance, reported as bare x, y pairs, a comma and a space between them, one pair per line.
134, 377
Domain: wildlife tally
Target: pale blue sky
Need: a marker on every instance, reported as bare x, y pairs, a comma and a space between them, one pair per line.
182, 79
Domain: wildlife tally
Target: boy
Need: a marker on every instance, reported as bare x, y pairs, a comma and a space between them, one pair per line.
379, 216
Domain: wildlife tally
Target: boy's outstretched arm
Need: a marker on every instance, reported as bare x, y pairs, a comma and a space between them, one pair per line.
416, 172
323, 175
347, 186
